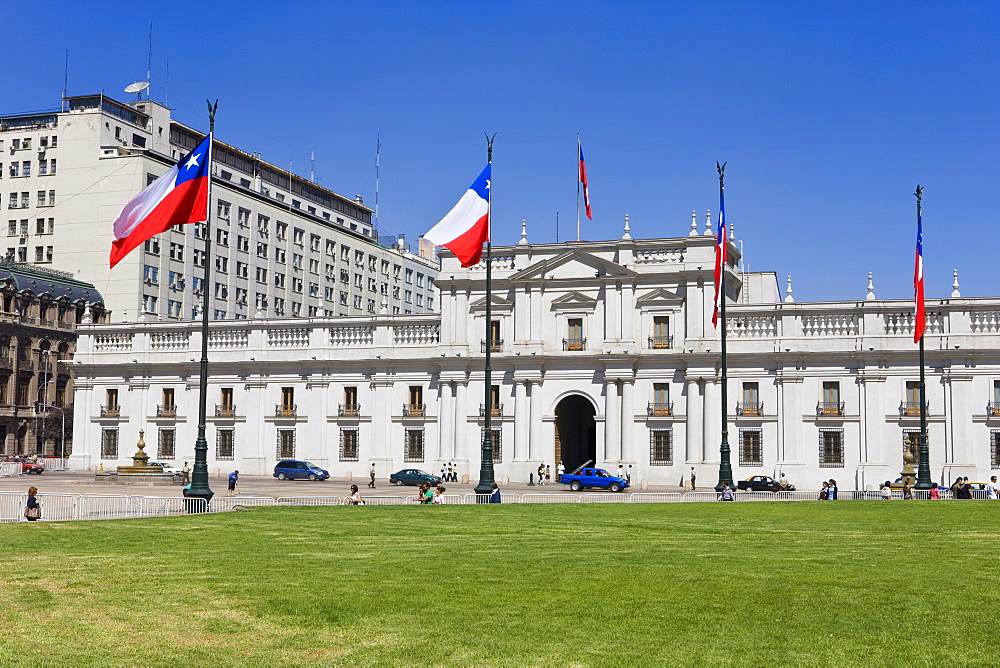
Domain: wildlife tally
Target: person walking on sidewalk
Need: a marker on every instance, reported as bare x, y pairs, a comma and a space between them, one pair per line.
234, 478
33, 509
371, 474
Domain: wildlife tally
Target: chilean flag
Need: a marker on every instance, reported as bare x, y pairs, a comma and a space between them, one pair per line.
918, 284
467, 226
586, 189
179, 196
720, 258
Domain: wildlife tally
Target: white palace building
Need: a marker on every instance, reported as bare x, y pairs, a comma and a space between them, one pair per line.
601, 351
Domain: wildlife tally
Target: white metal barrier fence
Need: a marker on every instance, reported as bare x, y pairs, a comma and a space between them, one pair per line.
55, 463
10, 468
310, 500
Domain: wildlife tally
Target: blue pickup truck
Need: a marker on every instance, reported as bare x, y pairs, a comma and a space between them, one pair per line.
590, 477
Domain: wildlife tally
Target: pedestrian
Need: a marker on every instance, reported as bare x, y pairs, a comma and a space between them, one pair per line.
442, 473
234, 478
935, 494
371, 474
447, 477
783, 481
831, 492
966, 488
541, 474
621, 471
726, 494
548, 475
692, 478
439, 494
32, 509
495, 493
426, 495
907, 491
186, 473
454, 473
887, 491
824, 491
956, 488
991, 489
355, 498
560, 470
628, 474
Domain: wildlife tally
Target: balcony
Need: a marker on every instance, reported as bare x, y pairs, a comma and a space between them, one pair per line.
6, 363
992, 407
660, 409
110, 411
496, 345
574, 344
166, 410
911, 408
414, 410
285, 410
660, 342
750, 408
225, 410
349, 410
496, 410
830, 408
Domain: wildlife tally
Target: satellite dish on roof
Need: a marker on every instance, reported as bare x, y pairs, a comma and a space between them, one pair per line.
137, 88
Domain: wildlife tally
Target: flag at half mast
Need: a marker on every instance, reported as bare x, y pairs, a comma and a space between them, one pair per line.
179, 196
466, 227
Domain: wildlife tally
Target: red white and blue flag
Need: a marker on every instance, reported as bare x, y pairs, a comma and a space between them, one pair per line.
586, 188
920, 319
720, 259
466, 227
179, 196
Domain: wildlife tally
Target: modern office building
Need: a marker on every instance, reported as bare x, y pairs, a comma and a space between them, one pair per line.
281, 245
39, 312
601, 351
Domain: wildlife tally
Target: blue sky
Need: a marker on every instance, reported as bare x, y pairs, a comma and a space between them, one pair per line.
828, 114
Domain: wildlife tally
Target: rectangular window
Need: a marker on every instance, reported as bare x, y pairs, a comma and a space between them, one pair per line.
222, 238
296, 309
661, 447
345, 251
995, 449
109, 443
496, 443
313, 266
359, 259
262, 249
414, 445
165, 443
912, 404
222, 264
242, 269
296, 261
416, 401
349, 444
660, 406
150, 274
297, 236
263, 224
279, 280
751, 404
331, 248
222, 210
831, 448
173, 309
221, 291
286, 444
574, 334
287, 401
243, 217
831, 399
242, 243
261, 275
751, 447
148, 304
296, 284
314, 289
661, 333
176, 251
152, 246
224, 444
314, 241
279, 255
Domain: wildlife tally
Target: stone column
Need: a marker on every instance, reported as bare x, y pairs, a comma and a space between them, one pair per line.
612, 422
693, 424
446, 422
535, 446
381, 446
628, 422
712, 426
462, 449
521, 419
955, 441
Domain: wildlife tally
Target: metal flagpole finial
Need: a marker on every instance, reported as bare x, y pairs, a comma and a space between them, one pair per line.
212, 108
919, 194
722, 171
489, 146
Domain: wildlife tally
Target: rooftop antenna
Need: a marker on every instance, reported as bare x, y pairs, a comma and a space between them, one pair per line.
378, 152
312, 165
65, 82
149, 58
166, 79
557, 227
136, 88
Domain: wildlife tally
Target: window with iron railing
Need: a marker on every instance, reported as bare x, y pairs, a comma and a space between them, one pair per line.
110, 410
661, 333
995, 448
413, 446
496, 345
349, 445
496, 410
166, 442
413, 410
660, 409
830, 408
495, 443
109, 443
224, 444
225, 410
751, 447
349, 410
831, 448
911, 408
574, 339
661, 447
746, 409
166, 410
286, 444
285, 410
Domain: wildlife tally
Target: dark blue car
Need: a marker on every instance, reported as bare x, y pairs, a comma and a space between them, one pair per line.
290, 469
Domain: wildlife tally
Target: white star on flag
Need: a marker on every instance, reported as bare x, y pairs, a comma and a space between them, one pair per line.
192, 161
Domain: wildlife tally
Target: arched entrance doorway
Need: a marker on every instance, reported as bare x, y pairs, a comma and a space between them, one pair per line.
576, 432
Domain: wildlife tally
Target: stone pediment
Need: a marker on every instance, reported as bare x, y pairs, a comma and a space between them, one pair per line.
659, 297
497, 303
573, 264
574, 301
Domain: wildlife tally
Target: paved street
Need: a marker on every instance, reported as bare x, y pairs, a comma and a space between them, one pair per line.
78, 482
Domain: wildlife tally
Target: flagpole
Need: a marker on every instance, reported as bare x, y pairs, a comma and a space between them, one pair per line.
725, 467
578, 175
486, 477
924, 466
199, 475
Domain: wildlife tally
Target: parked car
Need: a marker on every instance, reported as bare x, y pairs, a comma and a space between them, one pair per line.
413, 477
27, 466
763, 483
591, 477
290, 469
167, 468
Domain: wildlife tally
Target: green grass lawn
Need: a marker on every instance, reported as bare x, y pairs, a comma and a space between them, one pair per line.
844, 583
